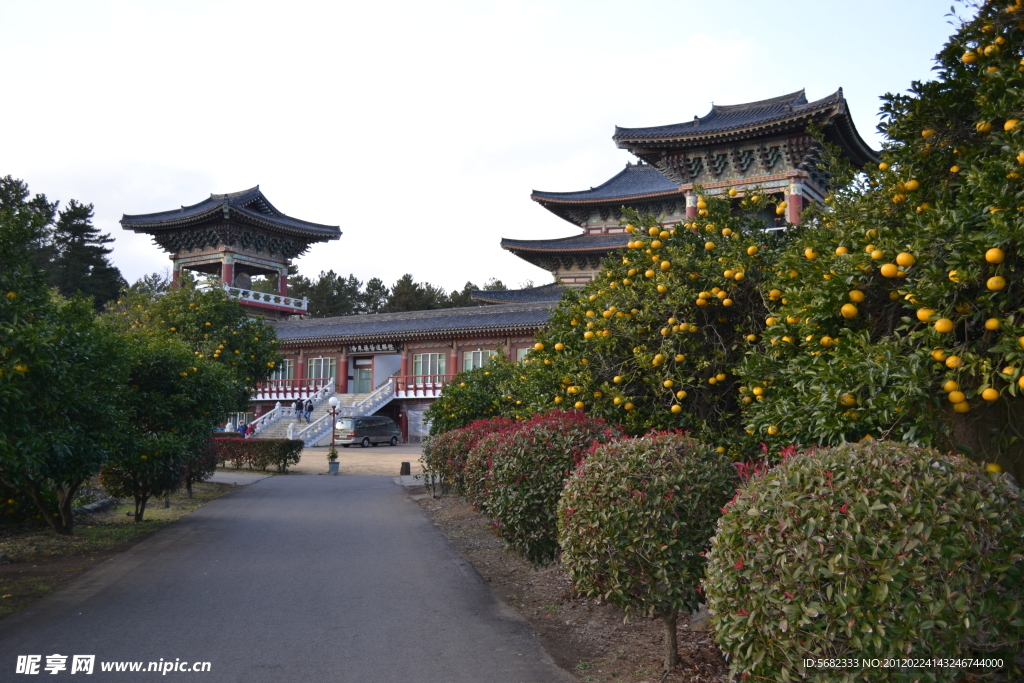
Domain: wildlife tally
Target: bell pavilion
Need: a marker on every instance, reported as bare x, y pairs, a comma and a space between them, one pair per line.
236, 236
764, 144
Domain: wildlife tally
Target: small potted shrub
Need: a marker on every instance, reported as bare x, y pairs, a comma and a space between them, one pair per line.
332, 461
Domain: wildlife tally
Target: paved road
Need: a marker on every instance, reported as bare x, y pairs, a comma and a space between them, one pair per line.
302, 579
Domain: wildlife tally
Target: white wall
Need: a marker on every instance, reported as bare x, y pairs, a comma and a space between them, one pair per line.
384, 366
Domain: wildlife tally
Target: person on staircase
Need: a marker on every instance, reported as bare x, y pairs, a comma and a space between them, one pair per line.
298, 408
309, 409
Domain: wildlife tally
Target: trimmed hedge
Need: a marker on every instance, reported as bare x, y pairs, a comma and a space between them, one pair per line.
635, 519
871, 550
259, 454
445, 454
529, 464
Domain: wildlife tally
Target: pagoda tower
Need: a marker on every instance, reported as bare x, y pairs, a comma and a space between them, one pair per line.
235, 236
762, 144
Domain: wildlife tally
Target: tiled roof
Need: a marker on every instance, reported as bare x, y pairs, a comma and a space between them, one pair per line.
250, 204
574, 243
728, 117
546, 293
635, 180
416, 324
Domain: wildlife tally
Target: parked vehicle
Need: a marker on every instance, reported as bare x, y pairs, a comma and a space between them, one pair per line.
367, 431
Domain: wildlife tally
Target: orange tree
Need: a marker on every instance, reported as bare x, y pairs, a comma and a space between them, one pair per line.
213, 326
901, 299
477, 394
653, 342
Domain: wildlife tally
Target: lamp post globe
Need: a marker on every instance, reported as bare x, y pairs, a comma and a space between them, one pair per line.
333, 401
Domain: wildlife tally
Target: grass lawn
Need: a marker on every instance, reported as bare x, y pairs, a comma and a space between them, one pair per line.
34, 561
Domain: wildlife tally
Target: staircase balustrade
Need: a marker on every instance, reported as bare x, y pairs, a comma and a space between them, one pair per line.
279, 411
380, 397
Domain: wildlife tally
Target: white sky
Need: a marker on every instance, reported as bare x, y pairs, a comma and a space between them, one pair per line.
419, 128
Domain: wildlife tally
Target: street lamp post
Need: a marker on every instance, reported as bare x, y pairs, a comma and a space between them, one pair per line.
332, 456
334, 417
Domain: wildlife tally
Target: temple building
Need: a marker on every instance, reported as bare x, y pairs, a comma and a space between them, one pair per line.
764, 144
396, 364
236, 236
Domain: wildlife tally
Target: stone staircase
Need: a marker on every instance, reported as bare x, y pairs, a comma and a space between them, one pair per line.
279, 429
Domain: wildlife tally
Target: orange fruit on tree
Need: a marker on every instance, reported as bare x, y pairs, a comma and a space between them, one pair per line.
954, 362
709, 245
751, 251
889, 270
993, 467
996, 283
992, 324
962, 407
990, 394
957, 397
810, 253
539, 346
848, 311
905, 259
739, 275
939, 355
924, 314
773, 430
681, 394
877, 254
944, 325
950, 385
677, 408
995, 255
883, 166
848, 400
842, 250
856, 296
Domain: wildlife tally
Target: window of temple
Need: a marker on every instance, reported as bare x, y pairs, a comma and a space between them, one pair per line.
521, 354
284, 370
429, 367
476, 359
321, 368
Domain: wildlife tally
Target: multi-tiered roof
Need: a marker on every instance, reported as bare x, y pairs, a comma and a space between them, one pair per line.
765, 144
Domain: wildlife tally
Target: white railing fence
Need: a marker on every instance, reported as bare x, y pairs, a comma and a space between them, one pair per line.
285, 411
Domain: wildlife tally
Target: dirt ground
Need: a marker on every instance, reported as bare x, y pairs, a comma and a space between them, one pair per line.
386, 460
584, 637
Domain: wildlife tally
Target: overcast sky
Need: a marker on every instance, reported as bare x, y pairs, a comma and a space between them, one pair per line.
419, 128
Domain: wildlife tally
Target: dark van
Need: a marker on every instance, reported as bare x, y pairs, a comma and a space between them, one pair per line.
366, 431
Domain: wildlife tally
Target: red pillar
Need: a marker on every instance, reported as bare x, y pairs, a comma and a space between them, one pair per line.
453, 362
282, 284
227, 273
342, 381
795, 207
176, 278
403, 380
691, 207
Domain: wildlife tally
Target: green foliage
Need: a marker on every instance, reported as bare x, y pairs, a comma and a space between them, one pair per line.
173, 403
948, 191
642, 347
529, 465
259, 454
635, 519
216, 329
476, 394
61, 380
78, 261
476, 476
444, 455
872, 550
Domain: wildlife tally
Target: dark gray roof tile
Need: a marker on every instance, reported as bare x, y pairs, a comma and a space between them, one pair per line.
416, 324
551, 293
251, 204
574, 243
635, 180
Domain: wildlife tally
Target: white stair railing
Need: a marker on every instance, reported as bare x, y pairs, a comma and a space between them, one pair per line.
279, 411
315, 430
380, 397
264, 421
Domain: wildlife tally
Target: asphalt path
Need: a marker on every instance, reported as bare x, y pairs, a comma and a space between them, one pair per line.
300, 578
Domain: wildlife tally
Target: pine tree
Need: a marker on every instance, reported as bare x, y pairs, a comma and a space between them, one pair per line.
79, 263
374, 297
